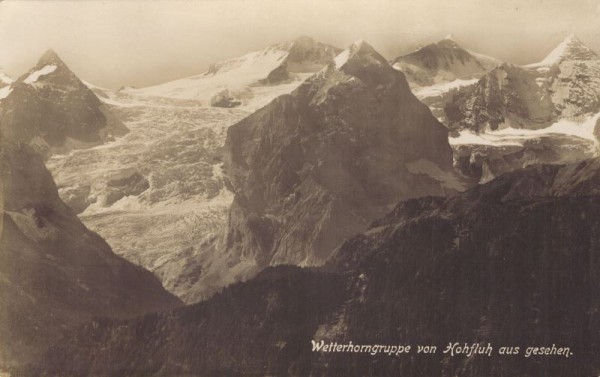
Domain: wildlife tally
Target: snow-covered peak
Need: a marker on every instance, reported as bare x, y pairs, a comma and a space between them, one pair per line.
248, 78
449, 36
571, 48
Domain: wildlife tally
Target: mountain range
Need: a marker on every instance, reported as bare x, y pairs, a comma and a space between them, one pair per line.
490, 265
233, 82
139, 183
297, 193
168, 171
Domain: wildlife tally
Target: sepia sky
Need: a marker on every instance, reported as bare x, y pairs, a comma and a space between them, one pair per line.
116, 43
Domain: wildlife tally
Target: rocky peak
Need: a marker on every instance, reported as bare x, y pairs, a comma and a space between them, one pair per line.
443, 61
302, 55
303, 42
448, 42
362, 61
318, 165
50, 68
429, 55
571, 48
305, 50
50, 108
362, 51
50, 57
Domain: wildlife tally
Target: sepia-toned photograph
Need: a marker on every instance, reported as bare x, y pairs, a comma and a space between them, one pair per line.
300, 188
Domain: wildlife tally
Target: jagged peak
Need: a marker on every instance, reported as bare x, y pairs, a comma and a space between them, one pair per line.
360, 60
48, 64
449, 37
571, 48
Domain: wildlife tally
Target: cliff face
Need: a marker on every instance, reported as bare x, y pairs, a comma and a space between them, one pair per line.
52, 110
55, 273
317, 166
514, 262
509, 95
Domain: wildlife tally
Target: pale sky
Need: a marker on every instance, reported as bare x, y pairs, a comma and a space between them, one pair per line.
118, 43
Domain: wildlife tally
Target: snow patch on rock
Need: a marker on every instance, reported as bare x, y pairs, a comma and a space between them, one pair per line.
34, 76
4, 92
444, 87
516, 136
342, 58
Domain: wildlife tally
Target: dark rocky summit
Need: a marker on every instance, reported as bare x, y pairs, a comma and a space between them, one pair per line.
443, 61
51, 109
